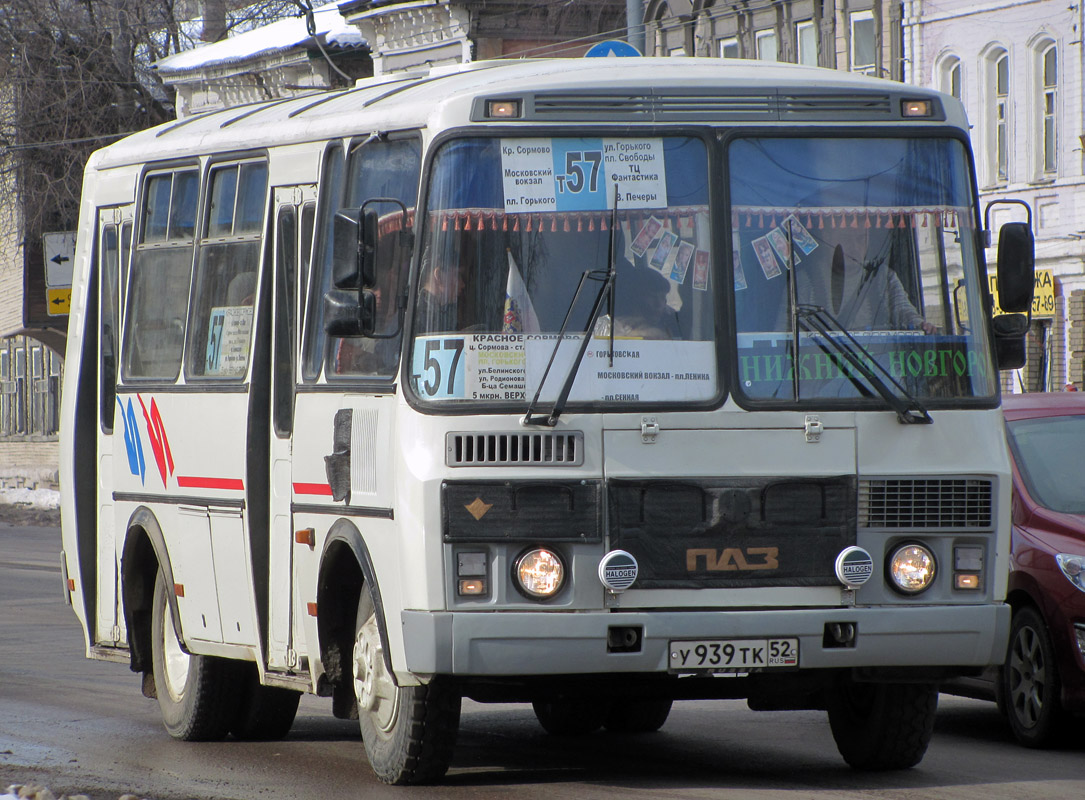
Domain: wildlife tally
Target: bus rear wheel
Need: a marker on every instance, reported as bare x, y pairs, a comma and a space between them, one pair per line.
882, 726
409, 732
198, 695
266, 713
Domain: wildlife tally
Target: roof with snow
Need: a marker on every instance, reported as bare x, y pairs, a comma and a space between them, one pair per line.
276, 38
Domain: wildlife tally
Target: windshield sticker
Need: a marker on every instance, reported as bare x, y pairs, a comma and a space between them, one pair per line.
766, 257
800, 235
663, 250
778, 239
646, 235
508, 368
700, 271
681, 262
572, 174
228, 340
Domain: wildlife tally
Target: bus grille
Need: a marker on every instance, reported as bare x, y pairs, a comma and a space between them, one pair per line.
514, 449
709, 106
925, 503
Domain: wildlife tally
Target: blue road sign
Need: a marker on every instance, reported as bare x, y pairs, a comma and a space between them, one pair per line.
612, 48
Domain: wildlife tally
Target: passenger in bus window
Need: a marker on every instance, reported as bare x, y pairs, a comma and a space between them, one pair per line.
849, 275
439, 294
641, 307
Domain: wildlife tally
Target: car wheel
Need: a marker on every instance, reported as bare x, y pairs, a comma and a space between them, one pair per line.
409, 732
266, 713
882, 726
1030, 681
198, 695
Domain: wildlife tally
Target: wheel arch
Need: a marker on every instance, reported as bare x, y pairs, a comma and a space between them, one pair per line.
143, 556
345, 567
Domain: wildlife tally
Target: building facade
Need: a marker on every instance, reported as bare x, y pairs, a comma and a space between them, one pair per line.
854, 35
1017, 67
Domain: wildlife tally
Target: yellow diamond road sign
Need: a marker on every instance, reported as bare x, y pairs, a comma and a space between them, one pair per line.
59, 301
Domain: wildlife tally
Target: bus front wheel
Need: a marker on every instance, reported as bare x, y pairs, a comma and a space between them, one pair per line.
409, 731
197, 694
882, 726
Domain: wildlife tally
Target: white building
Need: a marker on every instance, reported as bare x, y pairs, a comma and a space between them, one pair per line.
1017, 66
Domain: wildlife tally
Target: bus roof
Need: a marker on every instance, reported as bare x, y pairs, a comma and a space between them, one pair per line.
584, 91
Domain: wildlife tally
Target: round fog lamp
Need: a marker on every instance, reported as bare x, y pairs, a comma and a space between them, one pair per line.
540, 573
912, 568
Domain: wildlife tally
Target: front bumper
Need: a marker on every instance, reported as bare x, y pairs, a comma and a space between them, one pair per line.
566, 643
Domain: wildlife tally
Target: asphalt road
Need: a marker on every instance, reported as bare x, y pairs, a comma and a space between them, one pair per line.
82, 726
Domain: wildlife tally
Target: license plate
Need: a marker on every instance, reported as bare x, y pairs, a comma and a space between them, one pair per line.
742, 655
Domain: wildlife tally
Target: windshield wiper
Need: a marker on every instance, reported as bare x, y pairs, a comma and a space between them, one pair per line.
817, 320
606, 289
607, 279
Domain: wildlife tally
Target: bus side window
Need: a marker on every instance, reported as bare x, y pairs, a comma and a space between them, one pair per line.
382, 168
161, 272
227, 270
331, 198
108, 255
285, 326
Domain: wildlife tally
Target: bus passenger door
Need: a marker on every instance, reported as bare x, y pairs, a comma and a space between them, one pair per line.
114, 235
293, 231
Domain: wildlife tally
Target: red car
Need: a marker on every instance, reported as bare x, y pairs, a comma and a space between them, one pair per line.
1041, 685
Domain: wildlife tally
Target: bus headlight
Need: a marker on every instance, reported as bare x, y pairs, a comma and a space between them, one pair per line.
540, 573
911, 568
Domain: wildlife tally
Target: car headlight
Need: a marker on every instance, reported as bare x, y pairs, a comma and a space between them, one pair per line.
540, 573
1073, 567
911, 568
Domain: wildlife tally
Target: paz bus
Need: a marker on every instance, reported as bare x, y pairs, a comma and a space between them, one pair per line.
546, 382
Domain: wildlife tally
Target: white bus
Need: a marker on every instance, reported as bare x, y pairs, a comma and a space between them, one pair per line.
591, 384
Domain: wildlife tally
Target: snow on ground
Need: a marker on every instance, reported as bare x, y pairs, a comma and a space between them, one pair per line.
29, 507
48, 499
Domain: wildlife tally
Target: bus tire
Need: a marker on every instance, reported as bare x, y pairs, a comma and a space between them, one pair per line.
1030, 684
637, 716
564, 716
882, 726
266, 713
198, 695
409, 732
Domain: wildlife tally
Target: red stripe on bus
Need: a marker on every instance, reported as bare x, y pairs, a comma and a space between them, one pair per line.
322, 489
191, 482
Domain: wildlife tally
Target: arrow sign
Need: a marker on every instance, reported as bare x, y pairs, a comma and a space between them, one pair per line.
612, 48
59, 252
59, 301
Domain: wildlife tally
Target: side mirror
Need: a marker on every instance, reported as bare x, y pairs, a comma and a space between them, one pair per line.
350, 313
1009, 334
1016, 268
354, 248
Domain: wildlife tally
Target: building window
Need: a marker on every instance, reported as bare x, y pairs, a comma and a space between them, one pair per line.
729, 47
1050, 81
29, 389
862, 41
806, 35
766, 45
1000, 114
951, 77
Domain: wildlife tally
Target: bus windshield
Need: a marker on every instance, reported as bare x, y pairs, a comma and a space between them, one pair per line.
512, 227
872, 236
